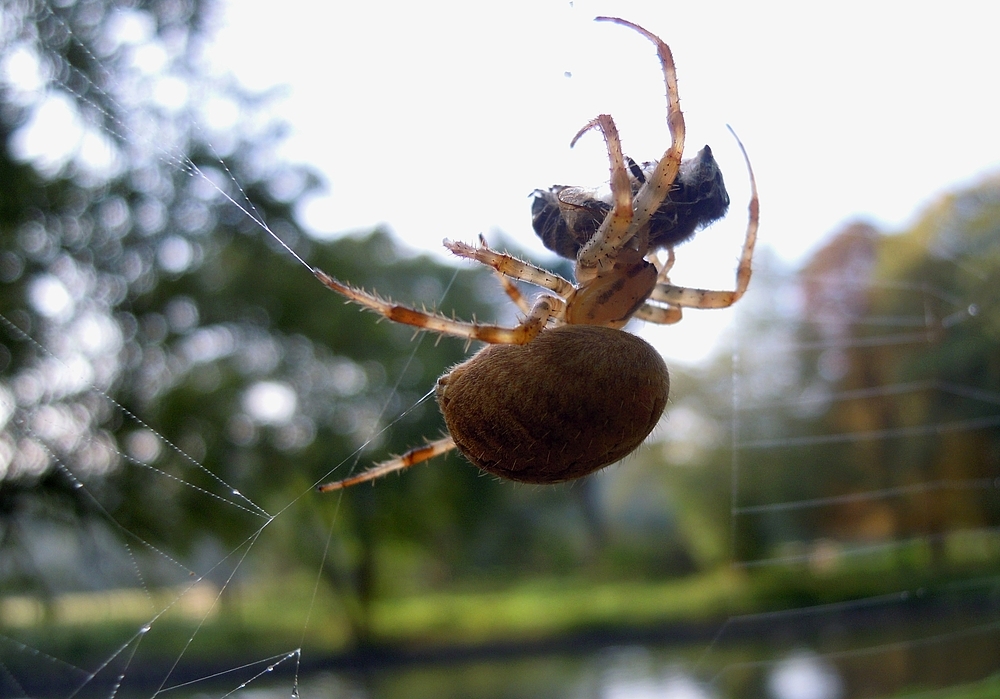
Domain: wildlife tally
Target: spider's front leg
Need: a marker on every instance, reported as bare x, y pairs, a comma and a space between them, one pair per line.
599, 253
652, 194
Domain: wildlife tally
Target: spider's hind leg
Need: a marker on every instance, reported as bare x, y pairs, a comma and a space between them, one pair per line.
653, 193
411, 458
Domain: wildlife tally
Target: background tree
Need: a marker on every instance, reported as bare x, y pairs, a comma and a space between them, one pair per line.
888, 432
161, 308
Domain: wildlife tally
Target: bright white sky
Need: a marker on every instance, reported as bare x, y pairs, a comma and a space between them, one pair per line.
440, 118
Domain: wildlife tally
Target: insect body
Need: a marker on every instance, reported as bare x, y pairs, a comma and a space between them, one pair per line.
566, 391
565, 218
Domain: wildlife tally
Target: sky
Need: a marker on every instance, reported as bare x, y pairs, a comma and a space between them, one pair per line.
438, 119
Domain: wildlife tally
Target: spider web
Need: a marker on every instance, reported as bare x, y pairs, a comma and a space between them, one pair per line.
832, 646
931, 621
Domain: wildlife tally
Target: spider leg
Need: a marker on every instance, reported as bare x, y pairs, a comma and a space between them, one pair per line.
671, 259
654, 313
512, 267
599, 253
704, 298
657, 186
544, 307
410, 458
509, 288
663, 268
664, 315
512, 292
696, 298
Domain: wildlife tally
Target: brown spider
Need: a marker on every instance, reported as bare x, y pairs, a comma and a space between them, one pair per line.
567, 392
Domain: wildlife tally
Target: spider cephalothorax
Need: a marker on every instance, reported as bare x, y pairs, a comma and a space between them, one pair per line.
566, 391
565, 218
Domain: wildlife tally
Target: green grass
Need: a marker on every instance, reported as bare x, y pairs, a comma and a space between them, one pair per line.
277, 616
988, 688
551, 608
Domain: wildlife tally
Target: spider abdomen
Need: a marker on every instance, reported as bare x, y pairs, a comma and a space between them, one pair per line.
573, 400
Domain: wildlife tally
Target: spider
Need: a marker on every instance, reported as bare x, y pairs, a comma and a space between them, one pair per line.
566, 391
